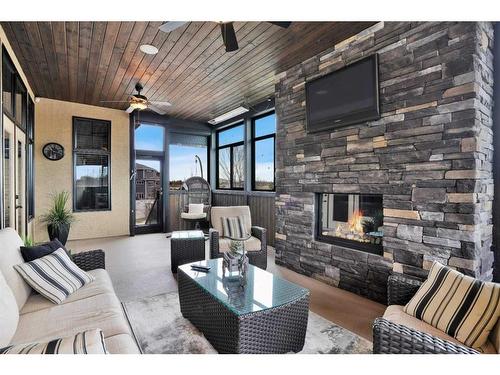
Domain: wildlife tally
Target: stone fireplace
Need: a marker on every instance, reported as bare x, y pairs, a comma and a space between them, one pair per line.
428, 159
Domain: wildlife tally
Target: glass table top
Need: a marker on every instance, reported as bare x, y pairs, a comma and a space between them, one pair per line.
262, 289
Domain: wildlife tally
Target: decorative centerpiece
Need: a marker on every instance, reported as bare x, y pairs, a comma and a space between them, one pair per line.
235, 260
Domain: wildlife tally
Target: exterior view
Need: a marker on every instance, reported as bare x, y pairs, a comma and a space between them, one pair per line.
249, 187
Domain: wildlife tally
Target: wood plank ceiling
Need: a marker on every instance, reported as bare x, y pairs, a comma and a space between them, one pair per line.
87, 62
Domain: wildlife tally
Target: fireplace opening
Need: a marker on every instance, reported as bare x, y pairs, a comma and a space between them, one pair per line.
351, 220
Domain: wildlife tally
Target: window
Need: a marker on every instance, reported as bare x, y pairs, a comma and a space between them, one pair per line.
20, 104
263, 139
8, 73
231, 158
91, 154
187, 158
149, 137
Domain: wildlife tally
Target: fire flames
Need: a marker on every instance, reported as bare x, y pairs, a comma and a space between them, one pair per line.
354, 227
356, 222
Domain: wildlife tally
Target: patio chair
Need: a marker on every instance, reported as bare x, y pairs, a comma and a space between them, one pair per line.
399, 333
255, 246
199, 200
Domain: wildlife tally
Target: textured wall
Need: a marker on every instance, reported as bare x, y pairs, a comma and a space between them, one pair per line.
53, 123
429, 155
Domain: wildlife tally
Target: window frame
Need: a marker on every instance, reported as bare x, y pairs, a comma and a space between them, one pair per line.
253, 142
76, 152
231, 147
9, 64
30, 159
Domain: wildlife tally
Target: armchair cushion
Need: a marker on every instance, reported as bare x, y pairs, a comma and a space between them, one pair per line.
396, 314
217, 213
461, 306
252, 244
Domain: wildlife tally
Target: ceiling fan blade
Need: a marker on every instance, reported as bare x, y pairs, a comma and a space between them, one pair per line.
129, 109
171, 26
160, 103
229, 36
157, 109
113, 101
283, 24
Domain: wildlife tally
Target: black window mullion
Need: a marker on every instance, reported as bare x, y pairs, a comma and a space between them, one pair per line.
231, 166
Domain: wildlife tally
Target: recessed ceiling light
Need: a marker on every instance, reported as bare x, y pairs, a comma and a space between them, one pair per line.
148, 49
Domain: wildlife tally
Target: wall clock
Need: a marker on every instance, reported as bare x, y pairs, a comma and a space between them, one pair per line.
53, 151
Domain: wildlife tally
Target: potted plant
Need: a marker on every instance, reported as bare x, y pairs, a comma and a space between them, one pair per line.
59, 218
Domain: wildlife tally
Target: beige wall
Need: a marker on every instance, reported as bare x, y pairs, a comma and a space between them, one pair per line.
53, 123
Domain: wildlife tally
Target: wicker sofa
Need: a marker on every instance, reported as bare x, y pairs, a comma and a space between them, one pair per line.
399, 333
27, 317
256, 246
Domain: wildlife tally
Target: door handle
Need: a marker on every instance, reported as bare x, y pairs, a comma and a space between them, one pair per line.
19, 207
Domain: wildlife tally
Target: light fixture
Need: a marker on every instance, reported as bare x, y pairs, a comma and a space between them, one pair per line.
228, 115
148, 49
140, 105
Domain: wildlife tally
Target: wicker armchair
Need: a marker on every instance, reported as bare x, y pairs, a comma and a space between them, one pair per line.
392, 338
90, 260
259, 235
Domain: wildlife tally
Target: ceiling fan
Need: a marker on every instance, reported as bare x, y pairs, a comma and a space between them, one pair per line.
140, 102
226, 28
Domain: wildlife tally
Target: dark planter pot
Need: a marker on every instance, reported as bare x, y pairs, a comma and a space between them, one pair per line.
61, 234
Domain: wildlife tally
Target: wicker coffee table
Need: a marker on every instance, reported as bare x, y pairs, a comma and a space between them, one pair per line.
266, 315
186, 246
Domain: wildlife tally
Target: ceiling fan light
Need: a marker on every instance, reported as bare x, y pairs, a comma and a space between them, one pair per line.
148, 49
139, 105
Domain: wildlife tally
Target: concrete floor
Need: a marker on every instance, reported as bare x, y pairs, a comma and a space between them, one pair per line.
140, 266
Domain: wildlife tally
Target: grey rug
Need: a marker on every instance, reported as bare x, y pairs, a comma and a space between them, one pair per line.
159, 327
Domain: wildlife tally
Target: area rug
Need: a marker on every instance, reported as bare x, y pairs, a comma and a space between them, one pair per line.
159, 327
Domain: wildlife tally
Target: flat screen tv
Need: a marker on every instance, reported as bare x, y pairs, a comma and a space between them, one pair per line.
346, 96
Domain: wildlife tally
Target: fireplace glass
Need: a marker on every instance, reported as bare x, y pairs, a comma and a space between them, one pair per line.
351, 220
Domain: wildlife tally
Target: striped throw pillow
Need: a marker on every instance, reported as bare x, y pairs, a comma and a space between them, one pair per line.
54, 276
234, 227
88, 342
463, 307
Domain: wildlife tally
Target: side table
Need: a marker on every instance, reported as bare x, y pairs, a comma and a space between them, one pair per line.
186, 246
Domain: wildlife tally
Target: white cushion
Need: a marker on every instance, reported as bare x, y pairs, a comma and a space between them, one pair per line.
101, 285
196, 208
121, 344
216, 214
88, 342
191, 216
9, 313
252, 244
10, 255
54, 276
103, 311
